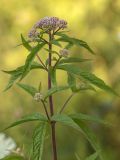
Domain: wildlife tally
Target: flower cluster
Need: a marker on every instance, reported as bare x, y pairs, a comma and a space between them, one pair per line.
47, 24
51, 23
64, 52
38, 97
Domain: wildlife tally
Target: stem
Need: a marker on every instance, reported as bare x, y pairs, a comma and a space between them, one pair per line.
45, 110
51, 102
57, 62
66, 102
41, 62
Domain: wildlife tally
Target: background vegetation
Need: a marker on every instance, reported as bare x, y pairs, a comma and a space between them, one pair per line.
95, 21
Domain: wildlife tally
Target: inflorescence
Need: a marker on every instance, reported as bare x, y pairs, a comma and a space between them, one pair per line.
47, 24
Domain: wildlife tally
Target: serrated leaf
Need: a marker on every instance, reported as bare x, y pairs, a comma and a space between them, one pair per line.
15, 74
85, 117
26, 43
73, 60
65, 120
30, 59
93, 156
87, 76
28, 118
74, 41
91, 137
38, 141
29, 89
80, 126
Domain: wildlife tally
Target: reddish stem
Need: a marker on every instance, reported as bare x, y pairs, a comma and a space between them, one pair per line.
51, 103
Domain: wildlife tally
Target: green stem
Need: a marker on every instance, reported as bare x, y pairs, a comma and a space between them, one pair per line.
66, 102
57, 62
41, 62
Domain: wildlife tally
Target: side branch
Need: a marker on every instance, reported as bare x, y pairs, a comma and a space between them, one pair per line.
66, 102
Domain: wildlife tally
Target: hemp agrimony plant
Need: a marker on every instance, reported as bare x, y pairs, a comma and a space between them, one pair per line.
45, 34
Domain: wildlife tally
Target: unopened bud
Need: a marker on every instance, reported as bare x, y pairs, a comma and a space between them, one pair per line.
64, 52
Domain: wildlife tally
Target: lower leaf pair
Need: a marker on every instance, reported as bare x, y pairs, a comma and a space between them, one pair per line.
75, 121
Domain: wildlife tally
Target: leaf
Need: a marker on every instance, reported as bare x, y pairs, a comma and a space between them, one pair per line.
15, 74
72, 82
13, 157
38, 141
56, 43
31, 90
84, 86
34, 65
87, 76
27, 118
53, 76
74, 41
30, 59
69, 45
55, 89
65, 120
12, 79
73, 60
81, 116
93, 156
26, 43
90, 136
80, 126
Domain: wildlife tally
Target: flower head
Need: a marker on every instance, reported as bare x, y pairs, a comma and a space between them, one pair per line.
38, 97
33, 34
47, 24
51, 23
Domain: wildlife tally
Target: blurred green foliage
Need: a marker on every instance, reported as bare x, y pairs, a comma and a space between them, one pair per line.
95, 21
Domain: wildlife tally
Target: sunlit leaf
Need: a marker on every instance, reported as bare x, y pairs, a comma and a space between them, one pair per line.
87, 76
28, 118
38, 141
30, 59
29, 89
